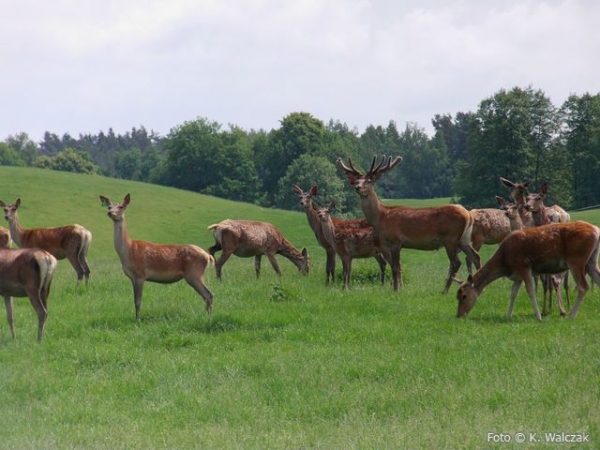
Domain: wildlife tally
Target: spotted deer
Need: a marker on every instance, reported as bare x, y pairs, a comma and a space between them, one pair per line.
160, 263
71, 241
247, 238
26, 272
309, 206
352, 243
448, 226
490, 227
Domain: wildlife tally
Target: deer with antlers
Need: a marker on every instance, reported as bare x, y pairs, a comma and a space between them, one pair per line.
71, 241
547, 249
351, 243
398, 227
160, 263
247, 238
350, 225
26, 272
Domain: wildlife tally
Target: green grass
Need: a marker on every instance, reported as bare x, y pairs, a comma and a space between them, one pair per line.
280, 364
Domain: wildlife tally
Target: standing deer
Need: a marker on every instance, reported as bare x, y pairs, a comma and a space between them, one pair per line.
542, 215
26, 272
246, 238
490, 227
71, 241
351, 243
548, 249
5, 239
398, 227
306, 201
160, 263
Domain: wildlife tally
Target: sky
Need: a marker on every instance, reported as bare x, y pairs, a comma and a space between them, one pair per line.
85, 66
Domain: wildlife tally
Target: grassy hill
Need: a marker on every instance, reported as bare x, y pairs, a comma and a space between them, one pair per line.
281, 363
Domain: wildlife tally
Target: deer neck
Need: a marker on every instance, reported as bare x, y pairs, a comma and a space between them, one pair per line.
122, 240
489, 272
328, 231
314, 221
540, 217
287, 250
372, 208
16, 231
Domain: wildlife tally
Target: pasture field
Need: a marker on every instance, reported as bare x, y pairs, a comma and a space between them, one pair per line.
280, 364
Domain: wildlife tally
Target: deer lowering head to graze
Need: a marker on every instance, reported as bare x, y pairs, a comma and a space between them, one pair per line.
490, 227
246, 238
306, 201
160, 263
398, 227
71, 241
5, 239
548, 249
26, 272
351, 243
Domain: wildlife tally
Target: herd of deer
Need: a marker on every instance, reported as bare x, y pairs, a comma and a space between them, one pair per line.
534, 240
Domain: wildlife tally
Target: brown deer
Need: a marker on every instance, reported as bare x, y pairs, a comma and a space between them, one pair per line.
5, 239
398, 227
543, 215
307, 203
71, 241
511, 210
351, 243
160, 263
26, 272
490, 227
246, 238
548, 249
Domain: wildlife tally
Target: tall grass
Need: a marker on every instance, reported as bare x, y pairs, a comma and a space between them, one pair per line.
281, 363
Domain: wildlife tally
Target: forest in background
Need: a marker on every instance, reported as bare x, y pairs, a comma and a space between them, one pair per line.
516, 134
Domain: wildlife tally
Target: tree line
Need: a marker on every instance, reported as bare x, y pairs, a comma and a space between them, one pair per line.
516, 134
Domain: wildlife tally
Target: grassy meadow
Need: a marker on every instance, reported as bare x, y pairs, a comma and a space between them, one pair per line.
284, 363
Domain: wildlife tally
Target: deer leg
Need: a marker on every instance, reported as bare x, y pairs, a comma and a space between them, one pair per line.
382, 265
8, 302
200, 288
530, 286
35, 297
582, 284
214, 249
273, 262
471, 254
513, 295
556, 282
396, 267
73, 259
566, 285
138, 289
330, 265
454, 266
347, 263
547, 294
220, 262
84, 265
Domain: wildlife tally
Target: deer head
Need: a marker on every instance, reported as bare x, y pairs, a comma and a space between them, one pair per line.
10, 211
305, 197
116, 211
535, 202
364, 183
519, 191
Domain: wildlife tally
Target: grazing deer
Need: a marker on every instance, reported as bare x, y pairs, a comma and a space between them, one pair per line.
5, 239
71, 241
490, 227
398, 227
548, 249
351, 243
306, 201
26, 272
160, 263
246, 238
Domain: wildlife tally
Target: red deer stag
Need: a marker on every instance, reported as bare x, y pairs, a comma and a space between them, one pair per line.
306, 201
246, 238
548, 249
26, 272
351, 243
448, 226
160, 263
71, 241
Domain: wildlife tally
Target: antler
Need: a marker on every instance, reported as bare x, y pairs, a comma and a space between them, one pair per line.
349, 170
376, 172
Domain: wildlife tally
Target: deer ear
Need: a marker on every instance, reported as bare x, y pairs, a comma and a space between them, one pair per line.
126, 200
314, 190
104, 201
18, 203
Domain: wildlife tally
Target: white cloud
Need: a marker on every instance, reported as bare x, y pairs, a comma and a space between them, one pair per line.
78, 67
